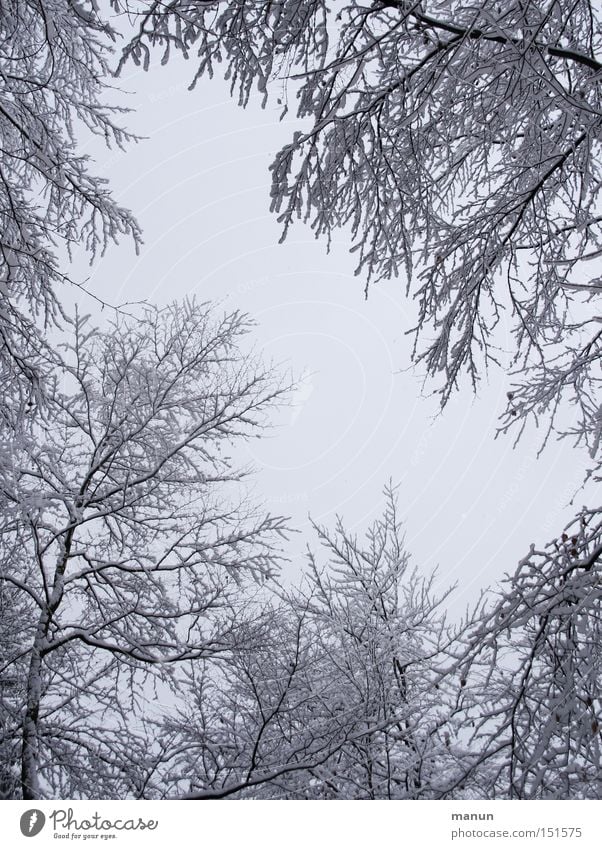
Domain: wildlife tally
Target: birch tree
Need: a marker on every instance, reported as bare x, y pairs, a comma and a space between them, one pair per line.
55, 82
131, 538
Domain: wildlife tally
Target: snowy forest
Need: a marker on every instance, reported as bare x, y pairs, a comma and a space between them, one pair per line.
153, 642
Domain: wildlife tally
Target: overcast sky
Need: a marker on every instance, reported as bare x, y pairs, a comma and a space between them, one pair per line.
199, 185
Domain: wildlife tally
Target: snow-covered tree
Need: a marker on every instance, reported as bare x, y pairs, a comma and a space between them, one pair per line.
534, 675
55, 89
130, 538
253, 724
387, 648
346, 688
459, 144
15, 633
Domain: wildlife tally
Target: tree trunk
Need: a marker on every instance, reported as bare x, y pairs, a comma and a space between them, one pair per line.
30, 786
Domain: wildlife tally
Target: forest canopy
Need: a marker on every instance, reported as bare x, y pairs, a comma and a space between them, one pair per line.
150, 648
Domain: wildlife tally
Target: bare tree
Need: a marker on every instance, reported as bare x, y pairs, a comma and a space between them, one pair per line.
344, 689
55, 82
534, 673
131, 538
253, 724
386, 646
459, 144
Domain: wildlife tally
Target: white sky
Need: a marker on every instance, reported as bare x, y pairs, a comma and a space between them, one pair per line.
199, 185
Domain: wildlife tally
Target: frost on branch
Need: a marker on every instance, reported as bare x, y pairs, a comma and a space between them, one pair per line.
131, 539
536, 674
54, 70
458, 144
340, 689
